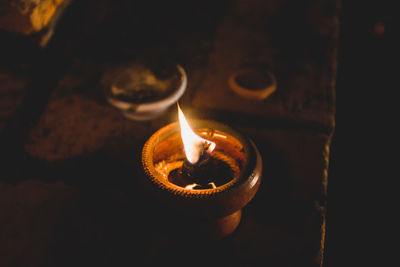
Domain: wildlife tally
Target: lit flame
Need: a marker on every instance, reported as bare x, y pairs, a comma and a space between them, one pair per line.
193, 144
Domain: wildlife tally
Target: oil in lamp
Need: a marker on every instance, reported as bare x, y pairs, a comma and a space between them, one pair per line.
209, 173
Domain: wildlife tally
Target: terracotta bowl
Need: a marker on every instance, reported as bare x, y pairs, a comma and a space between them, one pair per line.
217, 211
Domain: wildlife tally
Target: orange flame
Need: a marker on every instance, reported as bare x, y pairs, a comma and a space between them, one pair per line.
193, 144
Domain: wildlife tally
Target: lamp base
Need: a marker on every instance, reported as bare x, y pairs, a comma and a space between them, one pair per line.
207, 228
225, 226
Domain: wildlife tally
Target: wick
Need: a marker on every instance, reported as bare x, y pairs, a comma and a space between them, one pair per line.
204, 154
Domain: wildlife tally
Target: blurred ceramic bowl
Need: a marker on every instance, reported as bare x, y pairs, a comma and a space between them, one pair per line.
144, 91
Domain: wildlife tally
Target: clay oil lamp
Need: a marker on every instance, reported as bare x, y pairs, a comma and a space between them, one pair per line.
208, 174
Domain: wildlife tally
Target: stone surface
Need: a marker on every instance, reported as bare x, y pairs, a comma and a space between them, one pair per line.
12, 90
298, 43
88, 206
75, 125
30, 211
88, 144
281, 226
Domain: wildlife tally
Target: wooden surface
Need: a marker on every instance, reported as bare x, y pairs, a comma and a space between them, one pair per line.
72, 194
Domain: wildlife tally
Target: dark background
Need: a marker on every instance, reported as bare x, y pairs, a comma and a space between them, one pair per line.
361, 166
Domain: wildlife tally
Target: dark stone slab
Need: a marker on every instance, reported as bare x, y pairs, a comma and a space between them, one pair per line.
90, 146
90, 218
296, 41
89, 207
76, 125
30, 212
